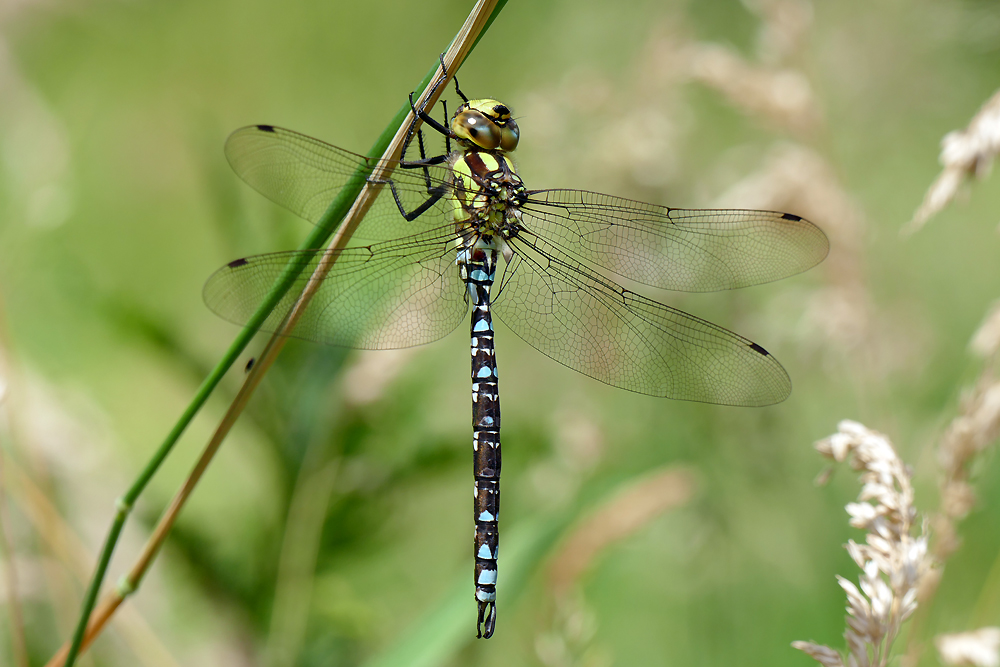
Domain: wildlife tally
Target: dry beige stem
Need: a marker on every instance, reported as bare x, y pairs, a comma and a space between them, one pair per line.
893, 560
979, 648
964, 153
620, 517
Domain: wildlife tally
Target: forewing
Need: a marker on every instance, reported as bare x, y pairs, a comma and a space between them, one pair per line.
680, 249
600, 329
384, 296
305, 175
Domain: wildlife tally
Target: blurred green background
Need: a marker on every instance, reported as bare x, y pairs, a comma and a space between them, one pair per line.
335, 521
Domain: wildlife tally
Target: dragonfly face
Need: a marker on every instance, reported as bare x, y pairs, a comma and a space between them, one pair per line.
399, 285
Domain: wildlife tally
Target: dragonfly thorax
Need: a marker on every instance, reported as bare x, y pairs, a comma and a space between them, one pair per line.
488, 193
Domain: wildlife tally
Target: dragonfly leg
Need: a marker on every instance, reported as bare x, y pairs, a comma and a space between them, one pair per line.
406, 146
435, 196
423, 163
429, 120
447, 137
455, 78
435, 193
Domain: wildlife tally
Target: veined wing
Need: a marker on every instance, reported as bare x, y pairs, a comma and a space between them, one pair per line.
383, 296
680, 249
590, 324
305, 175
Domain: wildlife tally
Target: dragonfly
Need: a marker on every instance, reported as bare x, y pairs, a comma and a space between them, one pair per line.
461, 230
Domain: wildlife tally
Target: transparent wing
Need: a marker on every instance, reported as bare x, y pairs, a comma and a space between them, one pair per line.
672, 248
305, 175
567, 312
384, 296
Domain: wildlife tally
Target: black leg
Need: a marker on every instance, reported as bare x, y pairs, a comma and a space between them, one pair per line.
459, 91
423, 164
424, 116
420, 145
409, 130
436, 193
447, 137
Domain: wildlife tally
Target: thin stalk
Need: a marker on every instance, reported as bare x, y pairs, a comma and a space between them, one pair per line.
358, 195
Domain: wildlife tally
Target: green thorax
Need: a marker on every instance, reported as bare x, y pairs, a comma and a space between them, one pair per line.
487, 191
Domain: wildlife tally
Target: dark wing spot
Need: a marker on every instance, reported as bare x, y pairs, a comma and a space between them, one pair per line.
757, 348
266, 128
236, 263
789, 216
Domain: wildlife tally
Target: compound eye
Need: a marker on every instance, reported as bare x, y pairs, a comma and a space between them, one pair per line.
477, 128
509, 136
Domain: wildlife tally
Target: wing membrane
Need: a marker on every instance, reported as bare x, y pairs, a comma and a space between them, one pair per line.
384, 296
680, 249
305, 175
602, 330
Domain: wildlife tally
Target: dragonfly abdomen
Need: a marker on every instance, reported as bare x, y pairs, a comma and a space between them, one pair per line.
478, 272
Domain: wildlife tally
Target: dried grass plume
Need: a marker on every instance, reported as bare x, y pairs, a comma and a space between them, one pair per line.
893, 558
964, 153
979, 648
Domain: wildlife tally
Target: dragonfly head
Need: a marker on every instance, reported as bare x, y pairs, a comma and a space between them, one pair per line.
485, 124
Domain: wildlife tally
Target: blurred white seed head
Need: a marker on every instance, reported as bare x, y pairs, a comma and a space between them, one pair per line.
824, 655
979, 648
964, 153
986, 341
